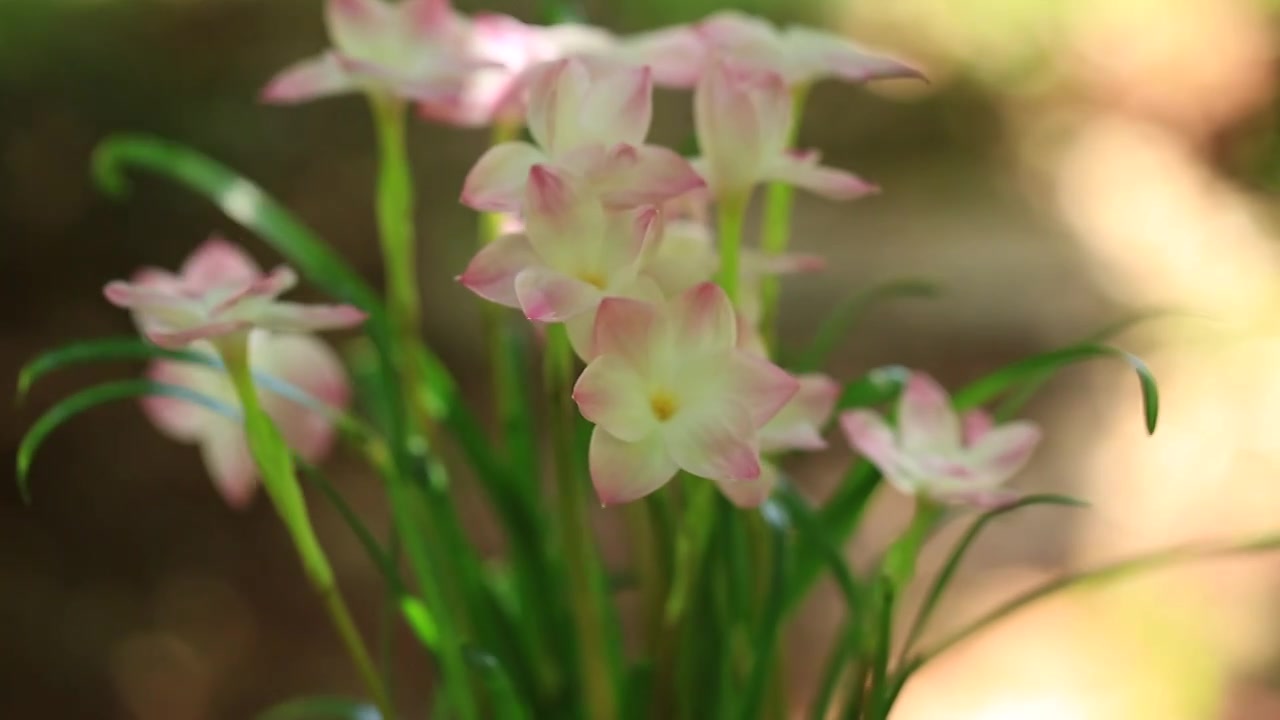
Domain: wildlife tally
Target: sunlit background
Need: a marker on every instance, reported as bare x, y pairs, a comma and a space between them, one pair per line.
1071, 163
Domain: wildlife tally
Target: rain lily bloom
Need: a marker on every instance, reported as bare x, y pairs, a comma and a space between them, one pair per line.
505, 48
799, 55
797, 426
742, 120
414, 49
572, 254
219, 292
670, 390
936, 454
300, 360
589, 117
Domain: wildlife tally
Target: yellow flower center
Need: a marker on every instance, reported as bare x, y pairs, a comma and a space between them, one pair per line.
663, 404
591, 277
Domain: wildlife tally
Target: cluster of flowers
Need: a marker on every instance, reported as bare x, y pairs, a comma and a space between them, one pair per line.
609, 236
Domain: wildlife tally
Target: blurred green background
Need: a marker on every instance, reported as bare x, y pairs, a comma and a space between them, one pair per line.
1069, 164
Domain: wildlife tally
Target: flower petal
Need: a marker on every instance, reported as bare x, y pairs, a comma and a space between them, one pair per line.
684, 257
927, 423
556, 95
872, 437
798, 425
729, 131
550, 296
491, 274
760, 386
310, 79
629, 329
612, 395
178, 338
623, 471
291, 317
814, 54
751, 493
564, 221
1003, 451
497, 181
676, 55
218, 263
703, 320
645, 175
310, 364
227, 459
977, 423
359, 26
744, 40
803, 171
617, 108
714, 442
178, 419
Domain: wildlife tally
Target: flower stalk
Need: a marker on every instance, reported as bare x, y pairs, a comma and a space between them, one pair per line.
776, 224
732, 210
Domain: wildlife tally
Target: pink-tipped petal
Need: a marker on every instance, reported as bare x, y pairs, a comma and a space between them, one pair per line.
561, 214
612, 395
227, 459
751, 493
310, 79
742, 38
704, 320
292, 317
497, 181
492, 272
556, 94
645, 175
428, 19
675, 55
926, 420
175, 339
628, 329
266, 287
178, 419
623, 471
358, 25
815, 54
218, 263
803, 171
977, 423
798, 425
868, 433
618, 107
714, 442
729, 131
144, 297
1003, 451
549, 296
760, 386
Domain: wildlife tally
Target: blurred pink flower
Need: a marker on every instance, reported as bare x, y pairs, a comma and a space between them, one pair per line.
934, 453
219, 291
300, 360
589, 118
799, 55
494, 92
414, 49
669, 390
743, 119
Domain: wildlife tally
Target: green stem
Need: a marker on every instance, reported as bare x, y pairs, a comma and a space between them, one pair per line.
577, 542
396, 218
776, 224
899, 564
732, 212
691, 545
280, 479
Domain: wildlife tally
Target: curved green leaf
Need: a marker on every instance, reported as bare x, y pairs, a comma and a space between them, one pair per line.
877, 387
947, 574
840, 321
766, 635
322, 708
99, 395
812, 533
241, 200
988, 388
505, 703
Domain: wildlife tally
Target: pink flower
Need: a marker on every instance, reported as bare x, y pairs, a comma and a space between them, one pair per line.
301, 360
670, 390
414, 49
220, 291
936, 454
572, 254
799, 55
589, 118
743, 119
506, 49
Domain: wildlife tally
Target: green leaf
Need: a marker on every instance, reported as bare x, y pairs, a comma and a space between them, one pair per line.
322, 708
812, 534
241, 200
948, 571
100, 395
506, 705
840, 321
766, 635
881, 385
1032, 369
839, 516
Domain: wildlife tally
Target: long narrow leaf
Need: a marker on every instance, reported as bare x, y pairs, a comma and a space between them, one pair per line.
322, 708
988, 388
840, 321
839, 516
948, 571
506, 705
88, 399
812, 534
766, 635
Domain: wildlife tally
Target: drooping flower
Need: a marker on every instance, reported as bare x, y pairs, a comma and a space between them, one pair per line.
743, 119
300, 360
220, 291
800, 55
935, 453
669, 389
589, 118
572, 254
414, 49
505, 49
